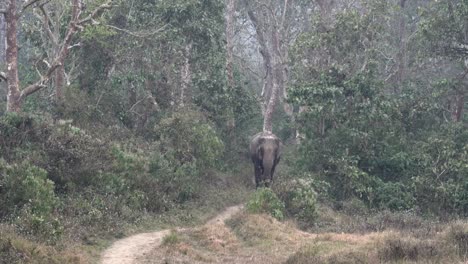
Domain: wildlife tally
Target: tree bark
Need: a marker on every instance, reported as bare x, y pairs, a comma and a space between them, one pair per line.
59, 84
268, 117
458, 106
2, 40
186, 76
230, 12
401, 56
266, 55
14, 95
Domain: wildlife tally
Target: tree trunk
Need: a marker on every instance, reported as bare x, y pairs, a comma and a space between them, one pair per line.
2, 40
186, 76
13, 96
268, 116
266, 55
230, 10
458, 107
401, 56
270, 30
59, 84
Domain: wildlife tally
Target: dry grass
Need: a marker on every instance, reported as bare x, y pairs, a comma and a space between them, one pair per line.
247, 238
16, 249
420, 246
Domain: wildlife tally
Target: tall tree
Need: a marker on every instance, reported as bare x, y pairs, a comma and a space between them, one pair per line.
445, 30
271, 21
16, 94
230, 16
2, 37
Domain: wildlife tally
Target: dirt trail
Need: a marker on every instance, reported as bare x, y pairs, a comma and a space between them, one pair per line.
128, 250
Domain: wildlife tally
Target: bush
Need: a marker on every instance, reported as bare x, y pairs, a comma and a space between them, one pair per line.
393, 196
299, 198
190, 138
27, 194
17, 129
170, 239
25, 184
72, 156
264, 200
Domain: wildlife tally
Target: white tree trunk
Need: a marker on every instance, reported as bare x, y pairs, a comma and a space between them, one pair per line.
230, 12
2, 40
186, 76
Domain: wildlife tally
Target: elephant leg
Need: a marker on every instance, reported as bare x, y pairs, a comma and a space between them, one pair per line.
272, 172
258, 175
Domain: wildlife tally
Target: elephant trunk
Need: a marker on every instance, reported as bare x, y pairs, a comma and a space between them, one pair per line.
268, 163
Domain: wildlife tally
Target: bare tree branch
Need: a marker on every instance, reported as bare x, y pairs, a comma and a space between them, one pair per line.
47, 23
39, 84
283, 17
95, 13
30, 3
65, 46
3, 77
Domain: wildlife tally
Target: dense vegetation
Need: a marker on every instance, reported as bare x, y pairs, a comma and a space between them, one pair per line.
152, 112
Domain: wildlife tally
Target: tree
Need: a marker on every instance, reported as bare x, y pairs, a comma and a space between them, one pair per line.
271, 22
16, 94
2, 37
445, 30
230, 23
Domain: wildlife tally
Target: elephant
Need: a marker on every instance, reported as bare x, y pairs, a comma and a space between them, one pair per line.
265, 151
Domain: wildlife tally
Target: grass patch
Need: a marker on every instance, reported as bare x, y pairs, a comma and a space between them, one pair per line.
15, 249
325, 251
457, 234
396, 248
264, 200
171, 239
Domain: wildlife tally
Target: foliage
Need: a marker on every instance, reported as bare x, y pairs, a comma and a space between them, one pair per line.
170, 239
299, 197
393, 196
187, 138
393, 151
28, 195
264, 200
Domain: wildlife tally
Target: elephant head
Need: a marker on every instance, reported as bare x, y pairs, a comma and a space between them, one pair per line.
265, 152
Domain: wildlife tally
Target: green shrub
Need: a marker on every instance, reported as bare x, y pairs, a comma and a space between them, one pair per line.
25, 184
175, 181
264, 200
393, 196
171, 239
29, 196
73, 157
299, 198
190, 138
16, 130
